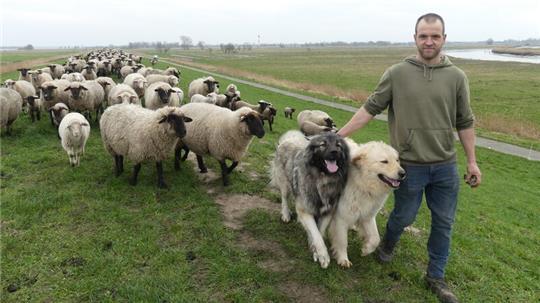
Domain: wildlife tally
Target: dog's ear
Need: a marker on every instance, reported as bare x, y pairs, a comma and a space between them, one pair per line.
357, 160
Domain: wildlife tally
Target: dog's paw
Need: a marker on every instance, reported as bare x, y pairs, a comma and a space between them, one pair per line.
344, 263
286, 216
366, 250
322, 258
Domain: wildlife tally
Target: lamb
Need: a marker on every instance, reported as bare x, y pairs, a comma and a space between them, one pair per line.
127, 130
24, 74
203, 86
312, 122
123, 93
73, 77
288, 111
137, 82
158, 95
24, 88
268, 114
58, 112
57, 70
39, 77
104, 68
34, 107
86, 97
219, 132
88, 73
74, 130
211, 98
10, 107
172, 80
225, 100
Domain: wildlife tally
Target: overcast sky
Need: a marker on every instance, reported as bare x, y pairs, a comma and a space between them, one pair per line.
99, 22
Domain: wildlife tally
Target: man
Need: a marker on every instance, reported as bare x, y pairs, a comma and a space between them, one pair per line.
427, 97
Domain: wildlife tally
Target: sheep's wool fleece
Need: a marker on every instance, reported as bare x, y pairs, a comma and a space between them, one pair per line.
135, 132
217, 131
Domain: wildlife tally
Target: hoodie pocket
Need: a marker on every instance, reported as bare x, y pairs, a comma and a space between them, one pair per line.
428, 145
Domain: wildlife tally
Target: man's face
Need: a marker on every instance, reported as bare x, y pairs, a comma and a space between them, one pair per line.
429, 39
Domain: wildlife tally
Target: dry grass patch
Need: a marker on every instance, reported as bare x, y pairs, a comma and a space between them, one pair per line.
521, 129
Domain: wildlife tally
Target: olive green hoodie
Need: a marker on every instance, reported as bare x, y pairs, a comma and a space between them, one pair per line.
425, 103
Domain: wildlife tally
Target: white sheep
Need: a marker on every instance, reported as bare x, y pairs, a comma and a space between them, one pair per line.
158, 95
24, 75
177, 97
288, 111
219, 132
128, 69
57, 70
269, 114
107, 83
262, 105
86, 97
73, 77
203, 86
141, 134
312, 122
172, 80
137, 82
211, 98
24, 88
38, 77
10, 107
74, 130
88, 73
58, 112
123, 93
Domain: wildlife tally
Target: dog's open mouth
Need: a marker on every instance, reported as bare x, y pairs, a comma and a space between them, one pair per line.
331, 166
394, 183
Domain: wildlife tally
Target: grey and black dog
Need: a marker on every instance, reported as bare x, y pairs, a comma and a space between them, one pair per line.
313, 170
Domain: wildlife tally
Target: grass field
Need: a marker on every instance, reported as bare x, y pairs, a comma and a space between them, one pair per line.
82, 235
18, 56
505, 96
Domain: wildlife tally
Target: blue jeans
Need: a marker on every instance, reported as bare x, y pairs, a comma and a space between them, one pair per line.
440, 183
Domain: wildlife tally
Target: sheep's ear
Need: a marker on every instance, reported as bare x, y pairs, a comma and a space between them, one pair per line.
163, 119
84, 124
106, 83
187, 119
157, 89
67, 88
83, 88
171, 90
39, 71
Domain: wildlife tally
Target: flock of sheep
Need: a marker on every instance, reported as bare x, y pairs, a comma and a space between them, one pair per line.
143, 118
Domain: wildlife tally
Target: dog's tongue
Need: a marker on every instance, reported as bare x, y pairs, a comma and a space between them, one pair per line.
395, 183
331, 166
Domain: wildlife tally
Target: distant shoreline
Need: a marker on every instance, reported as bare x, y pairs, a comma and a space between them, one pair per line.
517, 51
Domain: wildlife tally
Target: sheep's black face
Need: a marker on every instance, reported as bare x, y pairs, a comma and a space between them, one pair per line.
24, 71
254, 124
48, 92
177, 74
177, 123
329, 122
31, 100
164, 95
76, 91
211, 85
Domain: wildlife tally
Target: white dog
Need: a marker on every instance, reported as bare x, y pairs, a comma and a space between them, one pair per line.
373, 173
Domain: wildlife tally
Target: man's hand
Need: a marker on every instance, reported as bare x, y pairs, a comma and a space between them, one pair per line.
473, 176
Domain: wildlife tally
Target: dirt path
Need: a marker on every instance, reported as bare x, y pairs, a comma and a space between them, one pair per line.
233, 209
11, 67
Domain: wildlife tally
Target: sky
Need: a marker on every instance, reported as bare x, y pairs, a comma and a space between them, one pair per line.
47, 23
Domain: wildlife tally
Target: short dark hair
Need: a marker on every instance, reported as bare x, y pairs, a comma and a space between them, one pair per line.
430, 18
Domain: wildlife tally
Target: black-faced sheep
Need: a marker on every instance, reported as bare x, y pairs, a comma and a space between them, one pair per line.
203, 86
288, 111
137, 82
86, 97
141, 134
219, 132
158, 95
312, 122
123, 93
10, 107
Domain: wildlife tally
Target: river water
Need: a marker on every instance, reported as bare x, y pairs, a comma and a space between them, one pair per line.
486, 54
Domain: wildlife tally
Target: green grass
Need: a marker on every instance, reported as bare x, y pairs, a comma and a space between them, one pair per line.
80, 234
505, 96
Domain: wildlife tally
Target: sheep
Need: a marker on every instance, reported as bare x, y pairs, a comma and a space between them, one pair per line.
288, 111
203, 86
73, 77
137, 82
34, 107
232, 89
268, 114
107, 83
39, 77
74, 130
52, 92
259, 108
172, 80
171, 71
123, 93
58, 112
126, 70
154, 60
88, 73
312, 122
57, 70
10, 107
211, 98
24, 75
141, 134
225, 100
104, 68
219, 132
24, 88
177, 97
86, 97
158, 95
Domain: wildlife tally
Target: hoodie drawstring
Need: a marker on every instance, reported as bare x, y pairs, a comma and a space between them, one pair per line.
426, 70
